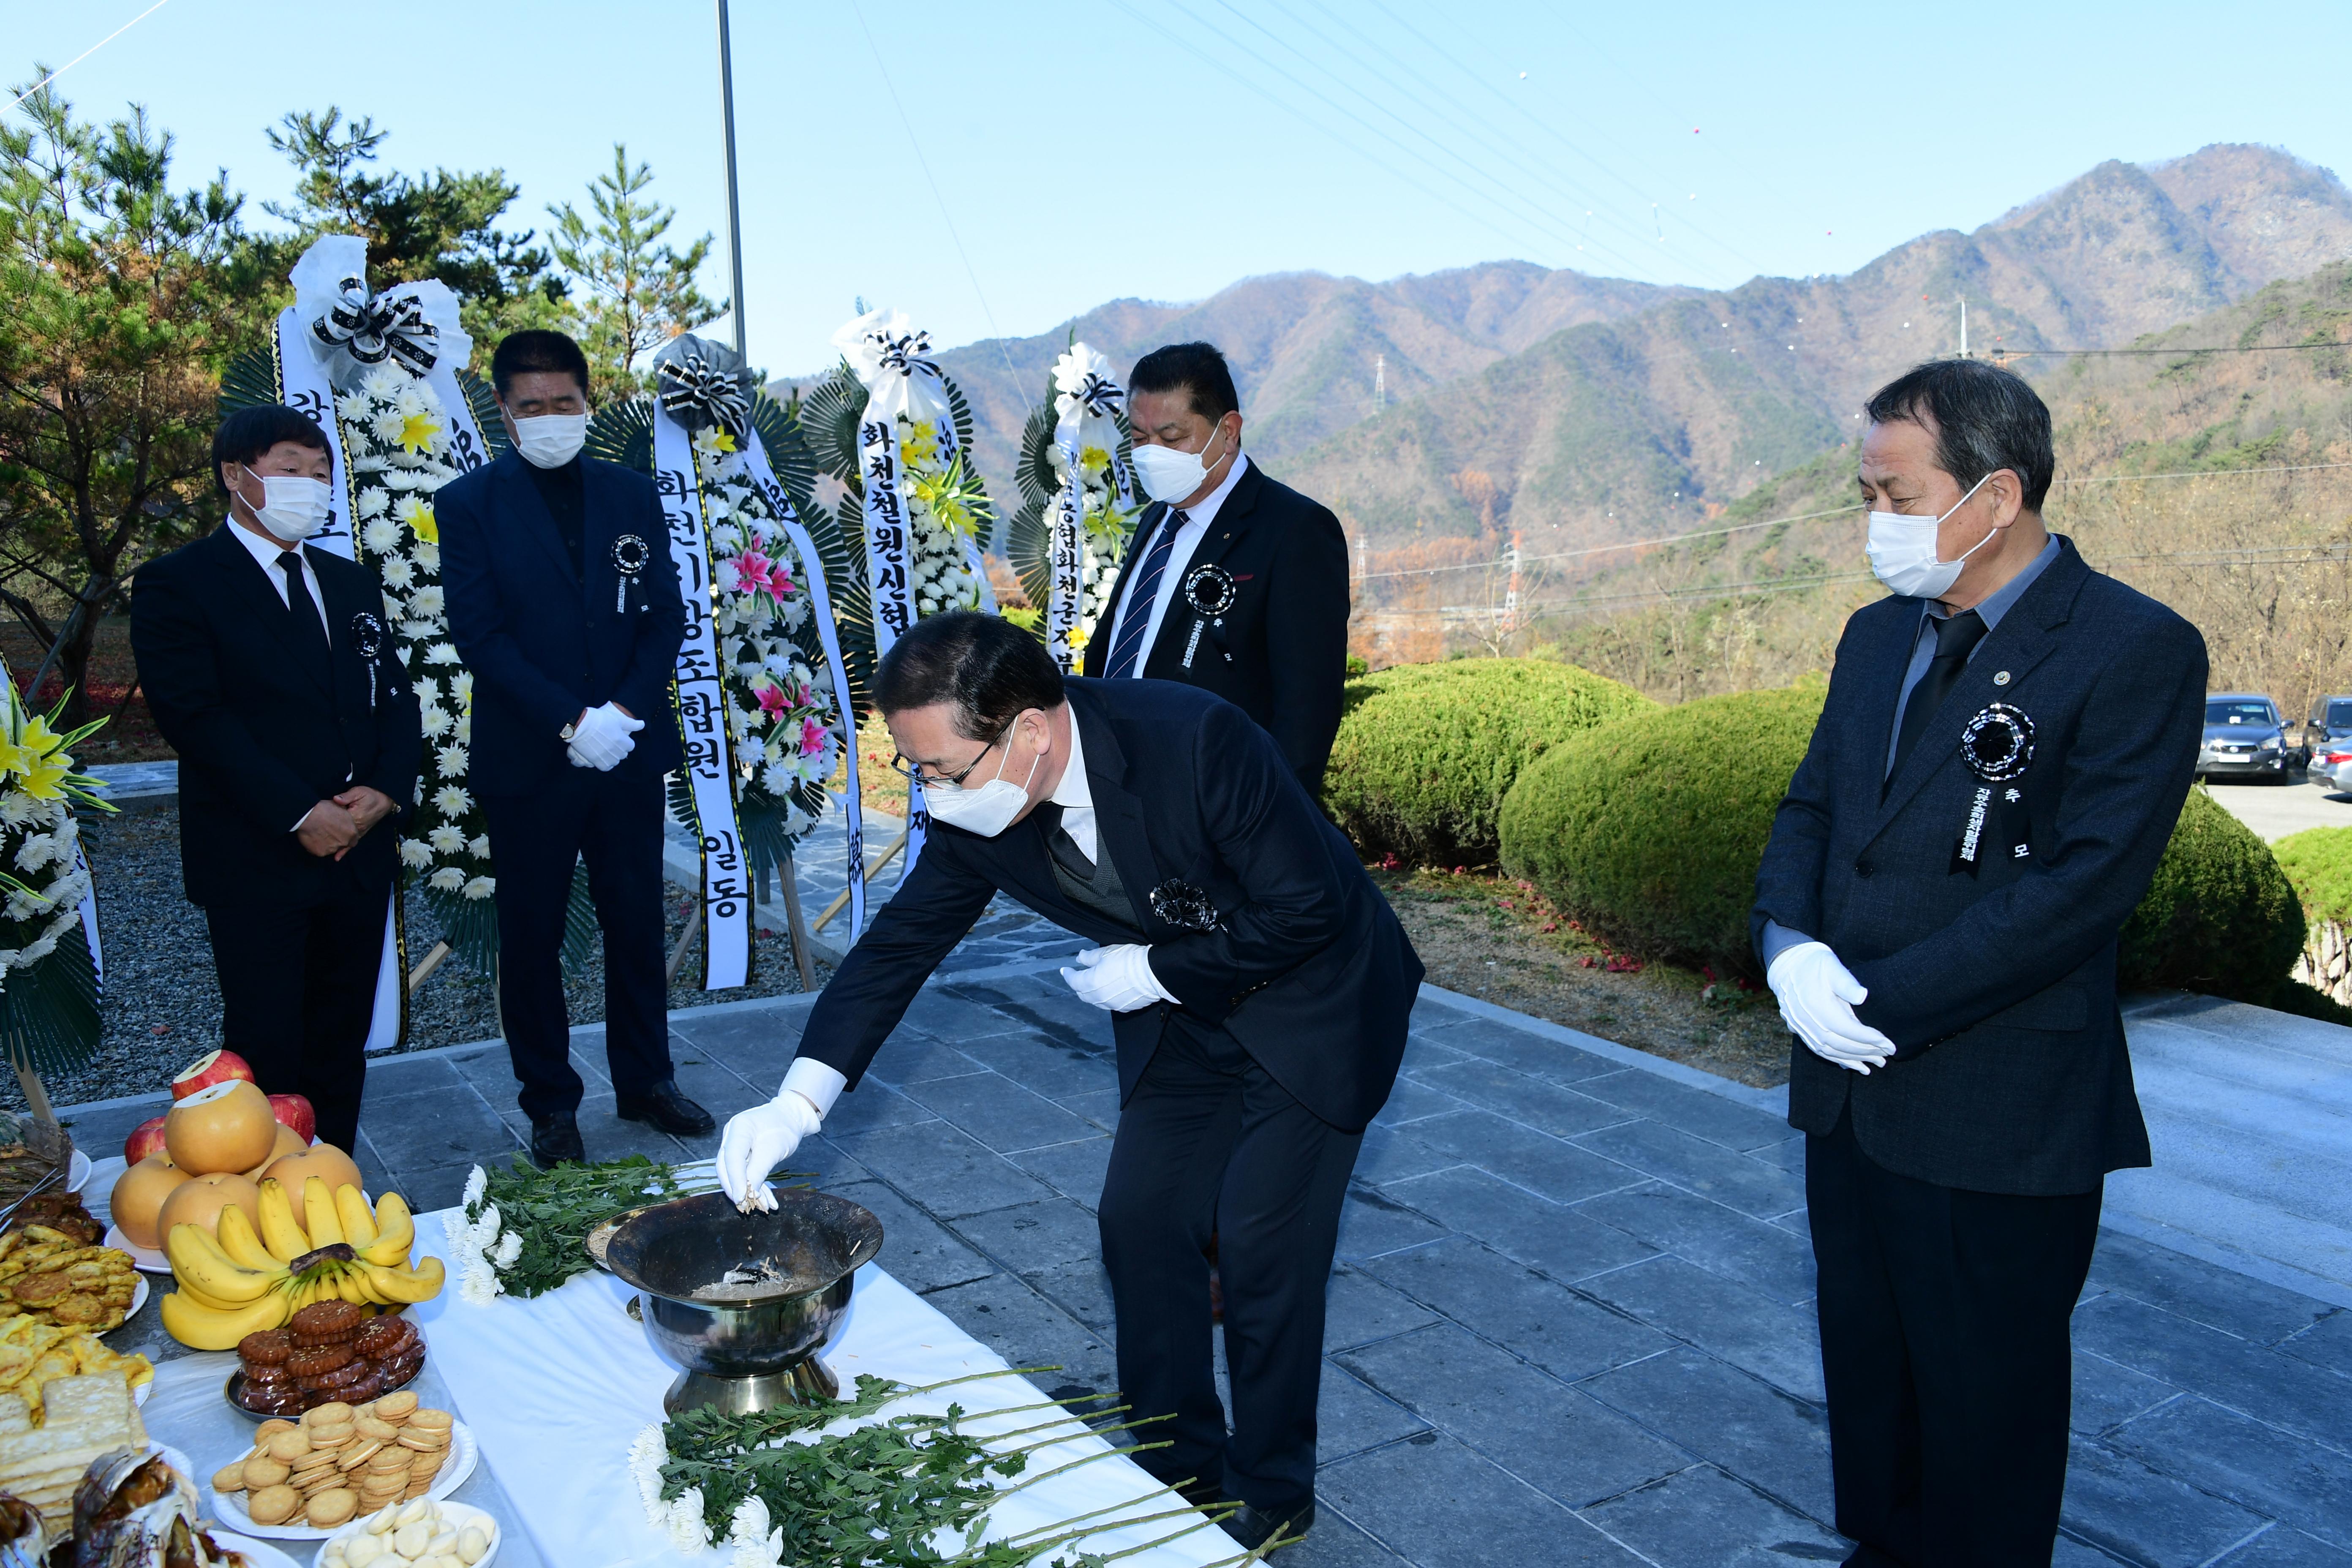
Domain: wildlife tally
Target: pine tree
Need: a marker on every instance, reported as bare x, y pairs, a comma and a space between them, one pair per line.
636, 292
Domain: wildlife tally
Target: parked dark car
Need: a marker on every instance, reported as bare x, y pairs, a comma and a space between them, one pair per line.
2327, 737
2244, 738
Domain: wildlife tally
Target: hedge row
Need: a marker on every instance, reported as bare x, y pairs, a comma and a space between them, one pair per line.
1648, 823
1426, 753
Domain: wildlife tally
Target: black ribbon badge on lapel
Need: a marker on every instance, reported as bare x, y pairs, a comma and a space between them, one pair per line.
630, 557
367, 636
1210, 591
1997, 746
1183, 905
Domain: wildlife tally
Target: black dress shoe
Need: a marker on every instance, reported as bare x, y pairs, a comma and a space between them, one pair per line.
664, 1110
1204, 1495
1255, 1527
555, 1138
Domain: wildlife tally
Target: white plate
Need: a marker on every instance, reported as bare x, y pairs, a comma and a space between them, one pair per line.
143, 1259
257, 1553
459, 1514
77, 1171
229, 1507
138, 1300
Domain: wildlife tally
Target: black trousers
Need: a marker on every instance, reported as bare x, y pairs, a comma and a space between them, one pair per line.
615, 824
1945, 1347
298, 993
1209, 1143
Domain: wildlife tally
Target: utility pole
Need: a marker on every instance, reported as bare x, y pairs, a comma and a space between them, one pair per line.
1963, 328
1511, 594
1380, 381
734, 206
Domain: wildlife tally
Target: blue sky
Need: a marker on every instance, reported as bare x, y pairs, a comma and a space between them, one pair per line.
1161, 149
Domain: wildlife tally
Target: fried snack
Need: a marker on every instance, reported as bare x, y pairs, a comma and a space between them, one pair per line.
85, 1415
33, 1353
46, 1275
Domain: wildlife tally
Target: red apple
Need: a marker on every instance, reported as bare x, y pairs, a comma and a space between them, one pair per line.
145, 1139
212, 1068
293, 1110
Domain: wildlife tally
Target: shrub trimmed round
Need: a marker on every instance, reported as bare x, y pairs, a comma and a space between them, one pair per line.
2319, 863
1649, 830
1426, 753
2219, 917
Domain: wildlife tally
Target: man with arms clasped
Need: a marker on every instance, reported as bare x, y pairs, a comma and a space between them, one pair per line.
1233, 583
1259, 984
564, 604
2005, 748
268, 670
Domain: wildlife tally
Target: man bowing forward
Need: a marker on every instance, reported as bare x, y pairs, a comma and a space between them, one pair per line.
2005, 748
1260, 987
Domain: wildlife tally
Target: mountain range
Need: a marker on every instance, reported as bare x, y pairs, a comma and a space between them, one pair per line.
1519, 397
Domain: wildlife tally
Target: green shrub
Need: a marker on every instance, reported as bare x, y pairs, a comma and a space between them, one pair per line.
1649, 830
1425, 752
2219, 917
2318, 862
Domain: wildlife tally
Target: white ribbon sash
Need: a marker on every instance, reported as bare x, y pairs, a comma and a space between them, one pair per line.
780, 504
709, 762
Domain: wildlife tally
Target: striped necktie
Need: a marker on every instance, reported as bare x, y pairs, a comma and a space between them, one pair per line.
1127, 653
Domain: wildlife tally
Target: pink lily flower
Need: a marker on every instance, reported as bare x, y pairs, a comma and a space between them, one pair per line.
811, 736
772, 702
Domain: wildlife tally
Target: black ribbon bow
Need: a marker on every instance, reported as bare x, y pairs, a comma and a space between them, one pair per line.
905, 352
372, 330
696, 392
1099, 395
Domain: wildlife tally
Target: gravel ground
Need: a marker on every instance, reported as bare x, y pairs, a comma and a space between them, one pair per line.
162, 1006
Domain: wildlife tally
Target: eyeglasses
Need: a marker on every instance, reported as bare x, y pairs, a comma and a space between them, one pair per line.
913, 772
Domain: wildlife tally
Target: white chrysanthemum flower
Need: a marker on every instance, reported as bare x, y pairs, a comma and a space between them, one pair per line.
451, 761
451, 801
428, 555
18, 808
379, 533
481, 886
480, 849
437, 721
466, 728
478, 1181
510, 1249
481, 1284
398, 571
687, 1531
415, 855
441, 653
427, 602
461, 685
418, 631
448, 880
756, 1545
372, 503
647, 1456
446, 839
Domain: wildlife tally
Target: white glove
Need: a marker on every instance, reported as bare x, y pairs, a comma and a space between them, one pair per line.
1817, 995
603, 737
1118, 979
759, 1139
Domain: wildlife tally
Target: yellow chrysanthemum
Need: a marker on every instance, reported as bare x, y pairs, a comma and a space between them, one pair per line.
418, 432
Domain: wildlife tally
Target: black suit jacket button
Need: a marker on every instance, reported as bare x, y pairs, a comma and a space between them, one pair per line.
1863, 869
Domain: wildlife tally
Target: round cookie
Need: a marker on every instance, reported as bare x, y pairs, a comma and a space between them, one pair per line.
329, 1509
396, 1408
229, 1477
288, 1447
273, 1505
333, 1413
264, 1471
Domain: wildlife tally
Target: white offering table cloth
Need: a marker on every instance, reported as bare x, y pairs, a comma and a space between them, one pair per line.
557, 1388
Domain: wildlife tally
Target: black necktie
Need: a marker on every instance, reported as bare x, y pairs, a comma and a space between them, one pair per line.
1061, 846
309, 629
1127, 653
1956, 638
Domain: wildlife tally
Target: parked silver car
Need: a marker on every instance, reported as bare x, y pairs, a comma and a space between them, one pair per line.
2244, 738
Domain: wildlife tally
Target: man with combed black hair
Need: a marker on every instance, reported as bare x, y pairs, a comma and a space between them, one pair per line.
267, 667
564, 605
1259, 987
1233, 583
2004, 751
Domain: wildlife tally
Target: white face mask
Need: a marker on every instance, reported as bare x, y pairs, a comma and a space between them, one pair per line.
1903, 552
988, 810
1169, 475
292, 508
550, 440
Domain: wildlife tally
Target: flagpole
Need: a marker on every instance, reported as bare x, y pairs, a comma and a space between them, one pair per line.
734, 208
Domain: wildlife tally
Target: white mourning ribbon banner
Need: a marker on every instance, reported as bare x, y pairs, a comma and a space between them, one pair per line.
887, 356
326, 342
1084, 395
709, 762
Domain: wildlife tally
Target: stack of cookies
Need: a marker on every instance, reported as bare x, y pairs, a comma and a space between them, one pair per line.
340, 1461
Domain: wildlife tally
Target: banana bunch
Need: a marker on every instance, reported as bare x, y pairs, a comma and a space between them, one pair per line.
240, 1280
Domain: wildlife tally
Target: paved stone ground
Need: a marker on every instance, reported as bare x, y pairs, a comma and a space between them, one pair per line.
1573, 1319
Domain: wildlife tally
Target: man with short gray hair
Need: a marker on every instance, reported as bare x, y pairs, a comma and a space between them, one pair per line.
2005, 747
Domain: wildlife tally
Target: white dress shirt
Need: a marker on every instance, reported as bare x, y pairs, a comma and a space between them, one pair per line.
264, 551
1076, 798
1180, 556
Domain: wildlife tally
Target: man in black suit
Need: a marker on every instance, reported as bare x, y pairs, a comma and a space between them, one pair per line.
1259, 985
564, 604
1233, 583
2004, 749
267, 667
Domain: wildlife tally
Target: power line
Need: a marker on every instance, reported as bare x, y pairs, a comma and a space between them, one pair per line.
90, 51
2240, 349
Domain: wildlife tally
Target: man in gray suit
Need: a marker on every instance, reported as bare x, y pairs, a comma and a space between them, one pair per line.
2004, 749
